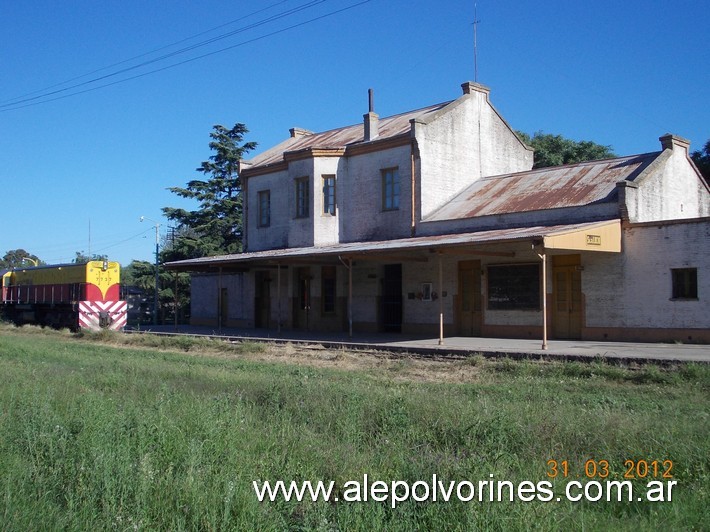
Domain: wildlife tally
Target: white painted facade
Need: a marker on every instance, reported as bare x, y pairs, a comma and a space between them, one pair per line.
637, 294
446, 158
441, 153
461, 143
670, 189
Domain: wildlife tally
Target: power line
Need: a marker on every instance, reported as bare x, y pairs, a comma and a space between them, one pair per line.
58, 249
145, 53
249, 41
15, 102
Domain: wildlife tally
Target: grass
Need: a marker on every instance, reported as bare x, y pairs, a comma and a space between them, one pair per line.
150, 433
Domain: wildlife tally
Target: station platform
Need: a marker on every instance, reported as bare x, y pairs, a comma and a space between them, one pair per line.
660, 353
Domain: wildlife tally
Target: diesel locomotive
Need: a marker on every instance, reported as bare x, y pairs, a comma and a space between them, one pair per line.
75, 296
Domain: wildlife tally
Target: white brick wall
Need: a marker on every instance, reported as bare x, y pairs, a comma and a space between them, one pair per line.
463, 142
360, 203
277, 233
366, 277
204, 295
633, 289
413, 275
671, 190
326, 228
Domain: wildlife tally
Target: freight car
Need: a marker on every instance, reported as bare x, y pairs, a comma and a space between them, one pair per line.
76, 296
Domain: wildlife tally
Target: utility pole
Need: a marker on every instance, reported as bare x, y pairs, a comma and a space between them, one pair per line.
157, 277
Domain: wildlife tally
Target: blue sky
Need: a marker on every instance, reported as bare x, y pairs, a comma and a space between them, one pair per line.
79, 172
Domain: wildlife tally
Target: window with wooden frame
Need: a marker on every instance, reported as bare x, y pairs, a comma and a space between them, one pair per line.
302, 197
685, 283
329, 194
390, 189
328, 289
514, 287
264, 208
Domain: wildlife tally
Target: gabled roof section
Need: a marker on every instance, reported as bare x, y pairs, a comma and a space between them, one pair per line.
556, 187
340, 138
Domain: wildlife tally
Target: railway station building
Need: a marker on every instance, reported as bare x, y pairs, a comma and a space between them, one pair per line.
433, 222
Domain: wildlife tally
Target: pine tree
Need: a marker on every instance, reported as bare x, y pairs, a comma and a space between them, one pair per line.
215, 227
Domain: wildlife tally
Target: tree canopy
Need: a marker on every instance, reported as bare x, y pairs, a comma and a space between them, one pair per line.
701, 158
16, 258
83, 258
216, 226
556, 150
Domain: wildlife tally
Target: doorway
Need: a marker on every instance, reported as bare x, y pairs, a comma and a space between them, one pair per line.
262, 300
223, 307
302, 311
470, 315
567, 297
392, 298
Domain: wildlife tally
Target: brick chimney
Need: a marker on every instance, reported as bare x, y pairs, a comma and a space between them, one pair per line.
671, 142
297, 132
470, 87
371, 119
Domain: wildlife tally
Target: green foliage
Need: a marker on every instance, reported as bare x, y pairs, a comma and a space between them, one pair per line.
216, 226
82, 258
701, 158
17, 258
141, 274
555, 150
100, 438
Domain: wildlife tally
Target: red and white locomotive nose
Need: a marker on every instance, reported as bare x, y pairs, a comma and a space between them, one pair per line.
97, 315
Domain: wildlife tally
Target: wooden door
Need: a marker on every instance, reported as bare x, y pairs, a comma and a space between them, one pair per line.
470, 313
567, 297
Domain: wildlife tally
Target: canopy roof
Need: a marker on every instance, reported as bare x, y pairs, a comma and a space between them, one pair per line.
592, 236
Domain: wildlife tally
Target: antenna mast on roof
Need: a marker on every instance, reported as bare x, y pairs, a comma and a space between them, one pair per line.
475, 43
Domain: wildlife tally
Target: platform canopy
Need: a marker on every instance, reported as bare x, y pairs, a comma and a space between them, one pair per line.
604, 236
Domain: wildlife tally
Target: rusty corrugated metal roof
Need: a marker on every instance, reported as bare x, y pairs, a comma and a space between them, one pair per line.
341, 137
545, 188
360, 249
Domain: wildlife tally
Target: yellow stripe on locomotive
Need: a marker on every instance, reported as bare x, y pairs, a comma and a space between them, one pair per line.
102, 276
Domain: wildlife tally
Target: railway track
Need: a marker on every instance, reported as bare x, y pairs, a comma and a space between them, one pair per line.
387, 351
438, 353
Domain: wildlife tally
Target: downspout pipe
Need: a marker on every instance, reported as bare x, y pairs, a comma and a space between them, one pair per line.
543, 257
413, 180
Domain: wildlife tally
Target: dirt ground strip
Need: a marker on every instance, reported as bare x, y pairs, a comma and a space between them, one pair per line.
388, 365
